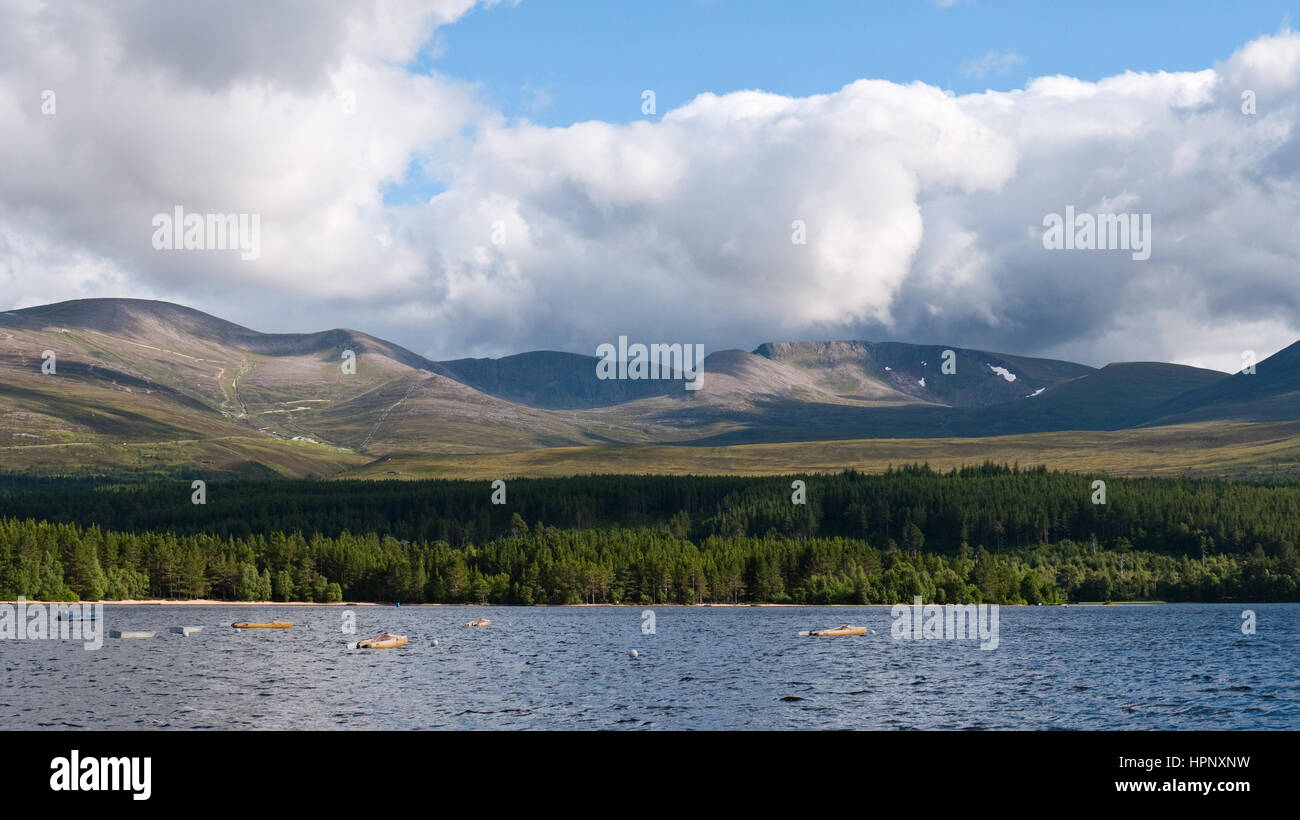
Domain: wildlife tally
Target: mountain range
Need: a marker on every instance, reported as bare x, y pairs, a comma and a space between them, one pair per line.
174, 386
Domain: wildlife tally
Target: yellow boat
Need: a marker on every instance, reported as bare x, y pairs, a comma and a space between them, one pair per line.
271, 625
478, 622
384, 641
846, 629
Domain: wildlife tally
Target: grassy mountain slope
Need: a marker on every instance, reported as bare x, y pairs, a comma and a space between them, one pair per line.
145, 385
1271, 393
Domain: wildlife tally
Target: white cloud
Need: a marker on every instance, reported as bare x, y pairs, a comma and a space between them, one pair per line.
994, 62
143, 124
923, 210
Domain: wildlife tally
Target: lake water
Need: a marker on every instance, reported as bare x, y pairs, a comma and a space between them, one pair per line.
1182, 666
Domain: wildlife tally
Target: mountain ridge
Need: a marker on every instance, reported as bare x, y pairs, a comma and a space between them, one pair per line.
148, 372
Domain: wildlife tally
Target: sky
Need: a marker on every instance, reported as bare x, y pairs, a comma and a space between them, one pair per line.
479, 179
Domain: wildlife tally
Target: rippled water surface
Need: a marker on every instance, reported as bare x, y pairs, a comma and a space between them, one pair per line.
1118, 667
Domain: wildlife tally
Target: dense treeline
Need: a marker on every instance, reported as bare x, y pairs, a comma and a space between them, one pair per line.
48, 561
992, 506
989, 534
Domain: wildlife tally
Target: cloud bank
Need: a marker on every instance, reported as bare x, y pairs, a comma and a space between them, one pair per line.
921, 212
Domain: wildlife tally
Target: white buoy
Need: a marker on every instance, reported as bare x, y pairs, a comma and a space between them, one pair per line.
435, 643
634, 654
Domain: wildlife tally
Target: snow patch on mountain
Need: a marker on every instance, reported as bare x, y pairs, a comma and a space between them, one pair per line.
1002, 371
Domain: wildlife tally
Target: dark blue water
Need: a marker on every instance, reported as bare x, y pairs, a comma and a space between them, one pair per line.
1117, 667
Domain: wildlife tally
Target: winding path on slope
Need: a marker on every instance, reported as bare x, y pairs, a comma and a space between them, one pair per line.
384, 415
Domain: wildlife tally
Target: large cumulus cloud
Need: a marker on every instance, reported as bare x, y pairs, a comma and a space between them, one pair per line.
922, 210
300, 113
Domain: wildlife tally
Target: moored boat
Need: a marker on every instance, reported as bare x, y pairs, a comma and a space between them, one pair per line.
478, 622
385, 641
270, 625
846, 629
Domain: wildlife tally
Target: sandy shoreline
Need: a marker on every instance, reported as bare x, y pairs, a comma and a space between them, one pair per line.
195, 602
210, 602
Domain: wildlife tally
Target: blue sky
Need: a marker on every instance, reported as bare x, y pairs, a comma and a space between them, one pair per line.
556, 63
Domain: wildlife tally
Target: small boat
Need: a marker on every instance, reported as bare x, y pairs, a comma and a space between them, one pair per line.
385, 641
846, 629
271, 625
131, 635
68, 617
478, 622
